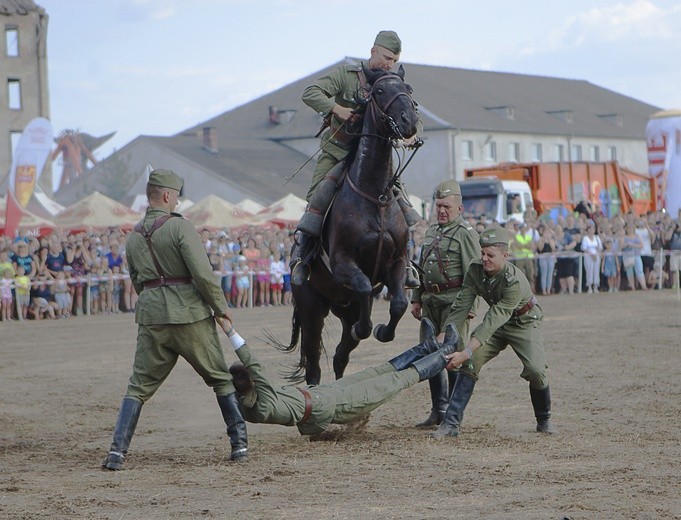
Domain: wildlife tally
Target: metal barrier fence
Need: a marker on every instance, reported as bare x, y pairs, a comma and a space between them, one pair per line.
88, 281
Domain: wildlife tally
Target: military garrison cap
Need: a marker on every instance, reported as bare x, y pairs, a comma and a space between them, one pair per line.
166, 179
493, 236
389, 40
447, 188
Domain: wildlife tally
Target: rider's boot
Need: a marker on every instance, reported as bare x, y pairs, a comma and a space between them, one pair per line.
300, 257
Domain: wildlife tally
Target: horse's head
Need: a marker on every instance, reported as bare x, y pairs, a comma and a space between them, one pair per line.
389, 103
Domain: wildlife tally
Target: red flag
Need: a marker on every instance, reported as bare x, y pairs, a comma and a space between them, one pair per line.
13, 214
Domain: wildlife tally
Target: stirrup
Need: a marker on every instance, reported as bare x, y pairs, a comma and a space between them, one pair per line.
300, 273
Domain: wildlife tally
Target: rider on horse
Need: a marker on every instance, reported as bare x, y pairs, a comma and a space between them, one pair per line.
334, 97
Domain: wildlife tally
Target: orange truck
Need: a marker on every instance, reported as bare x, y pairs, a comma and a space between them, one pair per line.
549, 187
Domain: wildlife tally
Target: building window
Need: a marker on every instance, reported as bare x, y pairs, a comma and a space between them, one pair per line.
14, 94
12, 41
559, 152
594, 153
491, 151
513, 152
13, 142
576, 152
612, 153
537, 155
467, 150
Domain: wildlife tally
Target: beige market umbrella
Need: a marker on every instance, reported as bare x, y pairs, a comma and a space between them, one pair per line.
215, 213
97, 211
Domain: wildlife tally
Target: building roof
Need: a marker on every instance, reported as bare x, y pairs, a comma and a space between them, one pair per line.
258, 155
10, 7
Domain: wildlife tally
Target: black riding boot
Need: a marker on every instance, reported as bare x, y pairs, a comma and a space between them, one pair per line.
430, 365
439, 396
411, 281
463, 390
300, 258
541, 402
428, 346
236, 427
125, 428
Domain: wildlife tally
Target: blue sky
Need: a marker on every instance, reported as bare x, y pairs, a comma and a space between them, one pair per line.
156, 67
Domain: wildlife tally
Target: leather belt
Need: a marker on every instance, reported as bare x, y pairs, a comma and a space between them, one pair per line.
525, 308
441, 287
340, 135
308, 405
162, 282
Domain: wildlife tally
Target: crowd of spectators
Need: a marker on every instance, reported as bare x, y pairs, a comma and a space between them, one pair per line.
71, 274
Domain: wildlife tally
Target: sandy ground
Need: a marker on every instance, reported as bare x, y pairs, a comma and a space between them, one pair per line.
615, 376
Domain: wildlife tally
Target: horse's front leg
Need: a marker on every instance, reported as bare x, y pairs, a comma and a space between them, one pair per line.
348, 315
398, 302
347, 272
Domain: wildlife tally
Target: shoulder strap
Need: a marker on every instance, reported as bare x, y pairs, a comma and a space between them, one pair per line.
147, 236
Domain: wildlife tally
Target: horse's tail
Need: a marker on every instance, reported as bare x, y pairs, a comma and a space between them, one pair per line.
297, 373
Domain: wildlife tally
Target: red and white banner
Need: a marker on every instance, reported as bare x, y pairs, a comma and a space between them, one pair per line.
29, 159
663, 135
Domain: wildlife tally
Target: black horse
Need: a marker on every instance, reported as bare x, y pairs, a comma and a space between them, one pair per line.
365, 235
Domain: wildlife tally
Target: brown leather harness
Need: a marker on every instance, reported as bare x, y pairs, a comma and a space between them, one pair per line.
162, 280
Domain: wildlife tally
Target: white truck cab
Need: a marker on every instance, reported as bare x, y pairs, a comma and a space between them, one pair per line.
496, 199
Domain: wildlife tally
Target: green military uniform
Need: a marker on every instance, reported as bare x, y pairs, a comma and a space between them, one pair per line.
175, 320
514, 319
507, 293
339, 402
446, 253
178, 295
340, 86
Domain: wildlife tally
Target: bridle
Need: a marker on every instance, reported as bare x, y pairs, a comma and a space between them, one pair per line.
379, 114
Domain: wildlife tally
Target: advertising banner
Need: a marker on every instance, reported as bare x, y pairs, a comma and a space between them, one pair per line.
29, 159
663, 134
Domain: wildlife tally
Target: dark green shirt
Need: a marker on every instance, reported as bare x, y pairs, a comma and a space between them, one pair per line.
180, 254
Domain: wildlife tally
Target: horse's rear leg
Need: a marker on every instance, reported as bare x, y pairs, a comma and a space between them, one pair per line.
398, 302
313, 309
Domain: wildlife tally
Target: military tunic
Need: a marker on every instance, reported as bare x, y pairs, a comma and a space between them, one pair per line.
507, 292
175, 320
446, 253
339, 87
339, 402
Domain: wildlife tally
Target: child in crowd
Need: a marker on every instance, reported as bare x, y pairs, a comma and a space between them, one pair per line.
93, 282
116, 288
41, 307
62, 295
242, 282
22, 283
287, 294
105, 289
6, 263
610, 266
277, 270
6, 299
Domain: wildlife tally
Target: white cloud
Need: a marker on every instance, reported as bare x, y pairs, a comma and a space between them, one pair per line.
638, 20
145, 10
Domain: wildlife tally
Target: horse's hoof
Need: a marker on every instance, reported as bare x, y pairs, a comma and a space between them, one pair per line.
357, 337
382, 334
